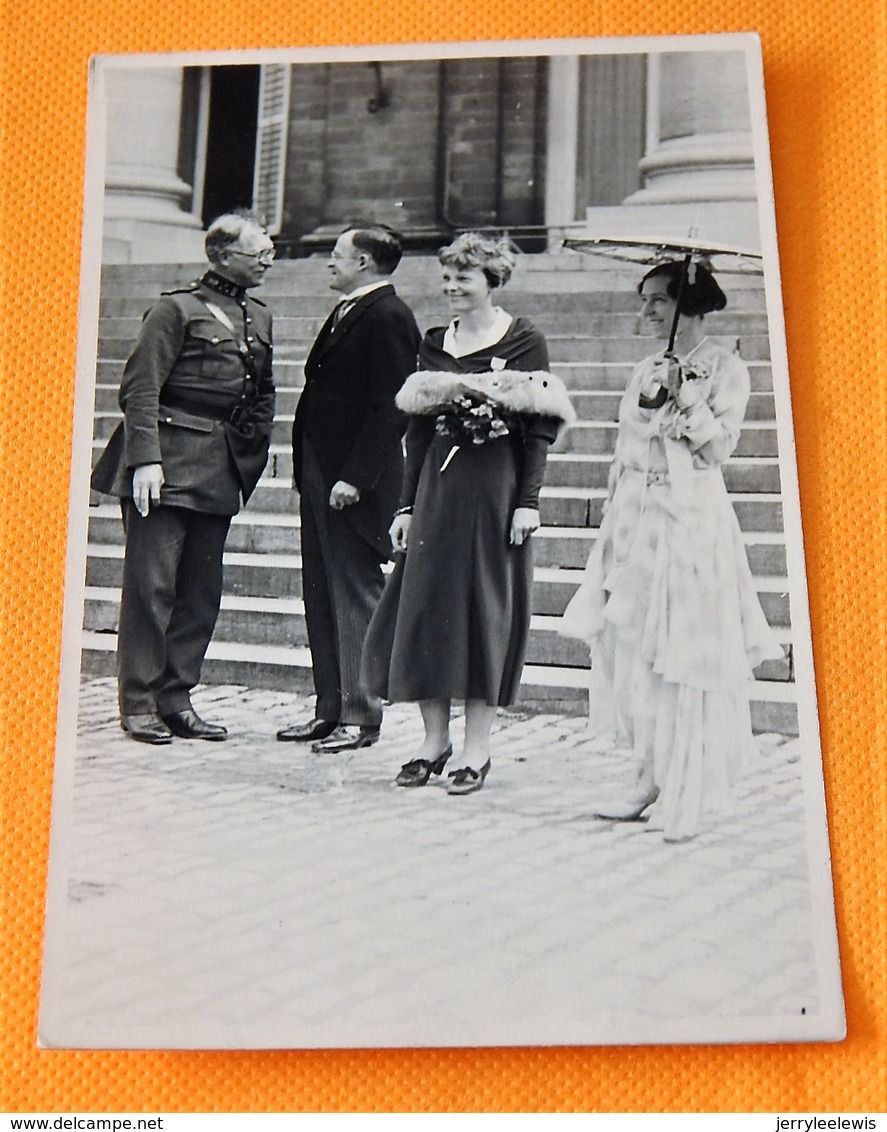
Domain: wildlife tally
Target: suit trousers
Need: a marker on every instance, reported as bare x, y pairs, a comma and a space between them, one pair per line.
172, 589
342, 581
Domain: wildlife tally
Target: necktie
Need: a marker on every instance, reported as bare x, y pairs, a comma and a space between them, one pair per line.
342, 309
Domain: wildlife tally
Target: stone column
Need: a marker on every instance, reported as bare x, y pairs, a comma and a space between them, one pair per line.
147, 217
561, 154
698, 167
702, 148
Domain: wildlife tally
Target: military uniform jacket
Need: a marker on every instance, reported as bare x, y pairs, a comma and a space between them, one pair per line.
346, 413
197, 396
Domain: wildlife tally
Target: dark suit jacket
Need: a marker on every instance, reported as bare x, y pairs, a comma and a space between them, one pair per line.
181, 384
346, 412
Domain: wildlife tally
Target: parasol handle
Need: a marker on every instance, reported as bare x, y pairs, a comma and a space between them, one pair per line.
677, 310
662, 396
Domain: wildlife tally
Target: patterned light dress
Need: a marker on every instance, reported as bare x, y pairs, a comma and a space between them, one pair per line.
668, 603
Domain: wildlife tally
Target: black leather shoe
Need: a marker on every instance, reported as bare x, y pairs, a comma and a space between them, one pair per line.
187, 724
347, 739
307, 732
146, 729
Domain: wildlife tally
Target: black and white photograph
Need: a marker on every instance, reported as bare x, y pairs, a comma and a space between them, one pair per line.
437, 667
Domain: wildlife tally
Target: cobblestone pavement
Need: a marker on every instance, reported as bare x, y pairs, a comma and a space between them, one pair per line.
252, 893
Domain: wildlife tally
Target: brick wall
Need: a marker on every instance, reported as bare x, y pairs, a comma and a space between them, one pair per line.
303, 206
524, 109
460, 143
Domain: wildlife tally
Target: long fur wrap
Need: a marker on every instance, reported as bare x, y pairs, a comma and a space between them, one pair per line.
530, 393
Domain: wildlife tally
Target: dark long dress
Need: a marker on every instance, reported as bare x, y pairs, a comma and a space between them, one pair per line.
454, 618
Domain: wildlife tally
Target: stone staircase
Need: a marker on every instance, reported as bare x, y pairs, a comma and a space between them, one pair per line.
588, 311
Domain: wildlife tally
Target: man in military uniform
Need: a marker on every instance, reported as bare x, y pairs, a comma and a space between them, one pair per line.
198, 404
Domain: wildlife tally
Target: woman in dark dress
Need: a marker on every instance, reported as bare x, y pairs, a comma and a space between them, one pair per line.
454, 619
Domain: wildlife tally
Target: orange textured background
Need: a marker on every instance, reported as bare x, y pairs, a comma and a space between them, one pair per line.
826, 74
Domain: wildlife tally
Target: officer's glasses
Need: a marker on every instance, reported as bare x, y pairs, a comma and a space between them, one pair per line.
266, 256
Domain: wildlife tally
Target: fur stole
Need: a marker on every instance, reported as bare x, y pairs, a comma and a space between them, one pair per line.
536, 393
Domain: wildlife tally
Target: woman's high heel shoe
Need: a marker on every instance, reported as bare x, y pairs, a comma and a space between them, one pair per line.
466, 780
628, 809
418, 771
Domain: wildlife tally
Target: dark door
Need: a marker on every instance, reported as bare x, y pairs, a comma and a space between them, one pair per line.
231, 140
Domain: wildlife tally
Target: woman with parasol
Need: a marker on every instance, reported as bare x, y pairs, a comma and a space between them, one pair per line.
668, 604
454, 619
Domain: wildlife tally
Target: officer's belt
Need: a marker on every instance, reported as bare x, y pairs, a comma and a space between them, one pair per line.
199, 409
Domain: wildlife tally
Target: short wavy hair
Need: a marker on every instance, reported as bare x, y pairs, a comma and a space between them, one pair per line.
700, 294
494, 255
226, 230
381, 243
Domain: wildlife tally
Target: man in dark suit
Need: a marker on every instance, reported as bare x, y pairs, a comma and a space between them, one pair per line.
198, 404
347, 464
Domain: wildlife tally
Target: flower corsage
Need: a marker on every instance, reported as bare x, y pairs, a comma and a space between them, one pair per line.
472, 418
689, 398
472, 409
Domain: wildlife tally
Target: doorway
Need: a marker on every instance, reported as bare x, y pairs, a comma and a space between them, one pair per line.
232, 129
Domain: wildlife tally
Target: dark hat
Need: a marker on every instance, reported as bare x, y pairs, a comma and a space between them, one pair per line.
700, 293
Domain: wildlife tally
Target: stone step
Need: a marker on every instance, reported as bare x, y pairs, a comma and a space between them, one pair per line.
586, 350
420, 267
280, 575
293, 324
633, 344
246, 574
252, 532
117, 333
583, 507
564, 469
570, 338
416, 263
257, 532
553, 587
115, 351
248, 620
569, 548
598, 438
544, 688
614, 376
741, 473
547, 647
558, 506
773, 703
579, 377
603, 405
275, 667
289, 380
129, 299
419, 283
281, 621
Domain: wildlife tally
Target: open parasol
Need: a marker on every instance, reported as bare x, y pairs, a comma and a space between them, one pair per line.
649, 250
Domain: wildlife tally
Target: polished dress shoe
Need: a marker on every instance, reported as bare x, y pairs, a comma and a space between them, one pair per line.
147, 728
187, 724
307, 732
347, 739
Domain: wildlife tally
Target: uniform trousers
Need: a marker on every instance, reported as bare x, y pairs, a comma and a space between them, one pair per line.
172, 589
342, 581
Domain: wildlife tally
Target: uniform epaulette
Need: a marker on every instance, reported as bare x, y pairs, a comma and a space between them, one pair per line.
186, 290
